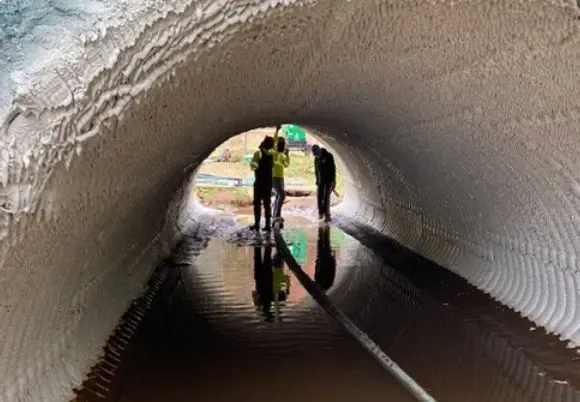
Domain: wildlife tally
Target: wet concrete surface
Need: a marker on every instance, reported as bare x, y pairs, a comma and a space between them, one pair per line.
217, 332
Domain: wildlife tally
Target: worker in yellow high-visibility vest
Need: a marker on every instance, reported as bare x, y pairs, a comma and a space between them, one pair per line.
281, 161
263, 164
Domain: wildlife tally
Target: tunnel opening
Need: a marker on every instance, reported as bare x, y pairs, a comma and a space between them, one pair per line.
224, 180
202, 299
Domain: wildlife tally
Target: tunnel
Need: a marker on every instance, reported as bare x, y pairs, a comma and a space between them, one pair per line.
455, 120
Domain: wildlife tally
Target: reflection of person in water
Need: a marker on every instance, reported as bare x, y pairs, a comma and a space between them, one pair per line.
272, 285
263, 276
281, 282
325, 268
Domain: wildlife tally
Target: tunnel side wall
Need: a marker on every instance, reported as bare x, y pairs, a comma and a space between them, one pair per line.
455, 122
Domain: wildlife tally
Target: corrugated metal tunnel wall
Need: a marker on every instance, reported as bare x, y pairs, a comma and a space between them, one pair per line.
457, 122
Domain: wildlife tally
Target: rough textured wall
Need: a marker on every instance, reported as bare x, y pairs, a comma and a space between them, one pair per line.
457, 121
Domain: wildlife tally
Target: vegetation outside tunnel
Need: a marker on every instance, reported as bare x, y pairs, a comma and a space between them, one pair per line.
299, 175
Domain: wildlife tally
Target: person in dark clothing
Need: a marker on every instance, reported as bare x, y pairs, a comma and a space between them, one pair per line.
325, 170
316, 153
262, 164
264, 277
325, 266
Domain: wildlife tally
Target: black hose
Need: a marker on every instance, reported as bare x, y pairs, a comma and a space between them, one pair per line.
322, 299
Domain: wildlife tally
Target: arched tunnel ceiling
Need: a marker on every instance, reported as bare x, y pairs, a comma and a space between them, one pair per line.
457, 122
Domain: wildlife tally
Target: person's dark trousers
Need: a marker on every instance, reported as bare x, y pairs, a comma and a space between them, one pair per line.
262, 195
323, 195
320, 199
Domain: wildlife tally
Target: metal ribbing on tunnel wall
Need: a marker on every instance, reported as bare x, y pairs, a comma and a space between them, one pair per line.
178, 37
488, 270
537, 384
99, 380
374, 350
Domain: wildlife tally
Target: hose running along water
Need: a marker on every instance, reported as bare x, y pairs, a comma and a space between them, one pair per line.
371, 347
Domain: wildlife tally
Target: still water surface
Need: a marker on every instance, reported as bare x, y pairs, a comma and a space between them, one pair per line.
235, 324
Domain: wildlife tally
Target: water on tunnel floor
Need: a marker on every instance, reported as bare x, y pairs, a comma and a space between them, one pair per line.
234, 324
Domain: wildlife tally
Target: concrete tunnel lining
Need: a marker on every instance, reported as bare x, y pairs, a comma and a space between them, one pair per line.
456, 122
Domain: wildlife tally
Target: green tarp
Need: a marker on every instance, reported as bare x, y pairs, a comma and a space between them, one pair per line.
293, 133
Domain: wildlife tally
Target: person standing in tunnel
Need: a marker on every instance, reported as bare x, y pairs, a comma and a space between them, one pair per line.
325, 266
316, 153
281, 161
262, 164
325, 170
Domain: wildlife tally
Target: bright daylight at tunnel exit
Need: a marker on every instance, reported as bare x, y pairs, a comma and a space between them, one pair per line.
289, 199
225, 180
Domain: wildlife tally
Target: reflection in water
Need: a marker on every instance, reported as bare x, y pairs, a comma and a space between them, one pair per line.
206, 341
272, 283
264, 280
325, 269
281, 282
298, 239
315, 248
